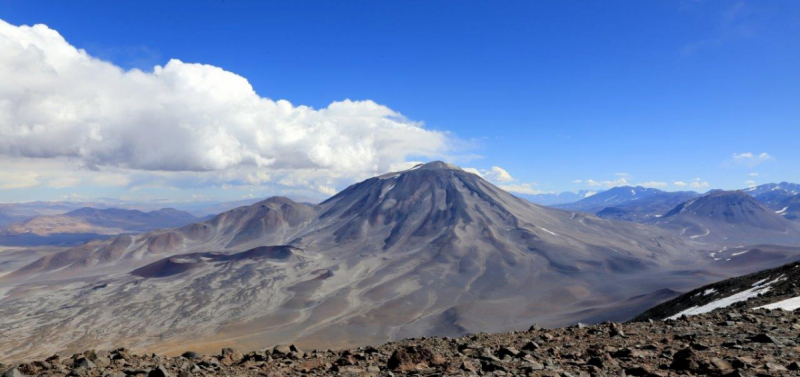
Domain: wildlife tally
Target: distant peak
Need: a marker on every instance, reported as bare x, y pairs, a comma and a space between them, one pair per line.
433, 165
437, 165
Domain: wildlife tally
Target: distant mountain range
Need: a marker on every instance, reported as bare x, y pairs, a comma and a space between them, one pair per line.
84, 224
551, 199
641, 204
771, 194
630, 203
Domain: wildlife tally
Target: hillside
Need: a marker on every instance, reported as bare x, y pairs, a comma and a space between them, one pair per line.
790, 208
773, 288
728, 342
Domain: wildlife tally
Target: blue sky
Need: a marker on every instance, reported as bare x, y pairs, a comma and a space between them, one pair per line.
551, 92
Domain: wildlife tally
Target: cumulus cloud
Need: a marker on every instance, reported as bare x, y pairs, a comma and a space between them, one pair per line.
653, 184
495, 174
680, 183
522, 188
698, 183
751, 159
751, 183
498, 174
622, 181
58, 102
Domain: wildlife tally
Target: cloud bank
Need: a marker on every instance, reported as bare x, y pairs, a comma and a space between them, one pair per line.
57, 102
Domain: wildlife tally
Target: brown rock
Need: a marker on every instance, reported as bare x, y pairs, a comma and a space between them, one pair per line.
413, 357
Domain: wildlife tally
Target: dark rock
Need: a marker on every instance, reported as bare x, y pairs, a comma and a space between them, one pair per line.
84, 362
190, 355
637, 371
684, 360
764, 338
158, 372
530, 346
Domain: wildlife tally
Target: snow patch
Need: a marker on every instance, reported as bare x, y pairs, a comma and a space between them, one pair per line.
788, 304
548, 231
758, 288
701, 235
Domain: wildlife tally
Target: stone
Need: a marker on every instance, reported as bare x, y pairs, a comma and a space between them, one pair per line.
720, 364
159, 371
530, 346
410, 357
468, 366
684, 360
507, 351
190, 355
764, 338
282, 350
637, 371
13, 372
84, 362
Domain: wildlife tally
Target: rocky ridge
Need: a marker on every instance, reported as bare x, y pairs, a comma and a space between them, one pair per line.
734, 341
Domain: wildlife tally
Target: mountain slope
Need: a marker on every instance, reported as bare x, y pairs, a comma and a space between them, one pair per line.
789, 208
729, 218
630, 203
775, 288
431, 250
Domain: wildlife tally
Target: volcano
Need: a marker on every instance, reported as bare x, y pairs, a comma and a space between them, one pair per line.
730, 218
433, 250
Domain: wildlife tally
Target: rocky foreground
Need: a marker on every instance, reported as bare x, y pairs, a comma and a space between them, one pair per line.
736, 341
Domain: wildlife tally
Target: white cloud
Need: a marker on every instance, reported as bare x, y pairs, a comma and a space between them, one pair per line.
680, 183
751, 183
498, 174
58, 102
62, 182
612, 183
473, 171
495, 174
653, 184
522, 188
577, 181
753, 174
698, 183
751, 159
18, 179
